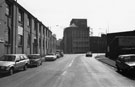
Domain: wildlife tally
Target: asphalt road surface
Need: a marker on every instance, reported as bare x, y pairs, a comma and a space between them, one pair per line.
70, 71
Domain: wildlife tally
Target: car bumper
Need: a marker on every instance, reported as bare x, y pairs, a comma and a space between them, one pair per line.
32, 63
3, 71
88, 55
47, 59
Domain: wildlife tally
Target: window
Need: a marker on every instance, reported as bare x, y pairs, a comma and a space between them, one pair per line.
21, 57
20, 18
20, 40
29, 21
28, 40
18, 58
43, 31
35, 26
9, 35
20, 35
43, 45
40, 43
40, 30
25, 57
8, 9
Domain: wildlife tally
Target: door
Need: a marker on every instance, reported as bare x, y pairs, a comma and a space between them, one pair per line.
17, 62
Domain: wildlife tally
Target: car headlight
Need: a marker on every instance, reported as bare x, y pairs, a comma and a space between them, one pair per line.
5, 67
132, 67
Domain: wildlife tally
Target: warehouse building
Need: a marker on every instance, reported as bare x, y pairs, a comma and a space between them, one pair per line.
98, 44
120, 43
21, 32
76, 37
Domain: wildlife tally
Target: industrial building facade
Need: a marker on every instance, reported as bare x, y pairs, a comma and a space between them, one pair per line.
120, 43
21, 32
76, 37
98, 44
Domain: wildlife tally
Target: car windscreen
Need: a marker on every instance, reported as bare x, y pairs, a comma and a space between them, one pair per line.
129, 58
7, 58
33, 56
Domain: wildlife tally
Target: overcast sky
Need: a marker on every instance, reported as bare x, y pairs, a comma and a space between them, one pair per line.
102, 15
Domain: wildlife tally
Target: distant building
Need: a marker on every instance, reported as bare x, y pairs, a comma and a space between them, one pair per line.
53, 43
98, 44
76, 37
79, 22
59, 45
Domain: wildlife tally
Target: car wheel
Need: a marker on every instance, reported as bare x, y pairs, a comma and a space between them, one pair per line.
41, 63
118, 69
11, 71
37, 64
25, 67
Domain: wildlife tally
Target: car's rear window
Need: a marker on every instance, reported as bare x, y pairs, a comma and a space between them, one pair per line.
7, 58
33, 56
129, 58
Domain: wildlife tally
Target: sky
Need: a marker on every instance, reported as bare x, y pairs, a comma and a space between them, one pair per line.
103, 16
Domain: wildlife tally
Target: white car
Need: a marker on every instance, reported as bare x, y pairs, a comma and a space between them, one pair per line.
51, 57
11, 62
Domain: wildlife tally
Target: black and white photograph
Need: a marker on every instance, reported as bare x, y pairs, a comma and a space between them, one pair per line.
67, 43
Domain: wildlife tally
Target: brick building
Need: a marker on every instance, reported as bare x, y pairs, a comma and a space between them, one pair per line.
76, 37
21, 32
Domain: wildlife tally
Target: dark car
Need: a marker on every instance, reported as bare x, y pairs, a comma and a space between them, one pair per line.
59, 53
126, 62
35, 59
89, 54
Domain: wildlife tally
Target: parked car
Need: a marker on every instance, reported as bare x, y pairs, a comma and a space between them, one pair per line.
11, 62
58, 55
51, 56
35, 59
126, 62
89, 54
61, 54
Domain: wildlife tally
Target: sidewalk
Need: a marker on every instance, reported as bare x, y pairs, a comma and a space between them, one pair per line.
106, 60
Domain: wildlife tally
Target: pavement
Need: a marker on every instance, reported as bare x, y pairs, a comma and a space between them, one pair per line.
106, 60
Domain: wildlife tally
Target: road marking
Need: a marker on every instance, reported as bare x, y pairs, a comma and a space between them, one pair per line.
71, 63
67, 66
64, 73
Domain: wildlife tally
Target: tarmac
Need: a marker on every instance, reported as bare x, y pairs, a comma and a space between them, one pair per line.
106, 60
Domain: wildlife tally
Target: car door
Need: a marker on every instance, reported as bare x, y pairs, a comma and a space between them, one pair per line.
39, 59
119, 62
123, 64
18, 62
23, 61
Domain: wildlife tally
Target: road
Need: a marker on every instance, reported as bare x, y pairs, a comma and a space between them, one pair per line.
70, 71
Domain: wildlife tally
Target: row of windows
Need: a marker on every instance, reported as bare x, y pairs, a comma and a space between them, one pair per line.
80, 49
9, 14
